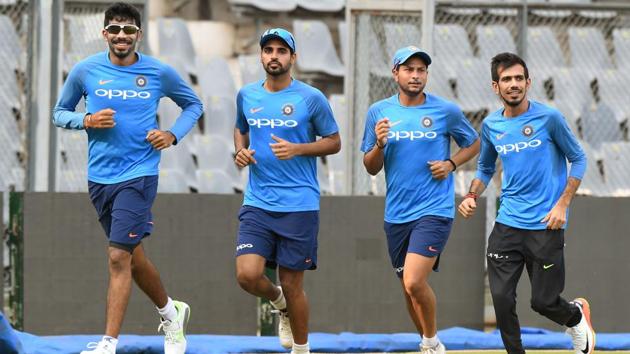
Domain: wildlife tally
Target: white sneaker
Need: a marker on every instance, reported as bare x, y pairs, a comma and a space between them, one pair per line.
102, 347
284, 329
582, 334
175, 331
438, 349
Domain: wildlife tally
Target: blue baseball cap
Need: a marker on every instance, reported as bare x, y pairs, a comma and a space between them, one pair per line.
278, 33
403, 54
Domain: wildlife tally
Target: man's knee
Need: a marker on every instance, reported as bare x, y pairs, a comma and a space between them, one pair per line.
119, 259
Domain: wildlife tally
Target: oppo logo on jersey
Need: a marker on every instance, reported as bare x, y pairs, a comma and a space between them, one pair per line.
124, 94
411, 135
518, 147
264, 122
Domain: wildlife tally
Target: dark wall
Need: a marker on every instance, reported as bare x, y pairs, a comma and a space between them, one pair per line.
354, 288
597, 264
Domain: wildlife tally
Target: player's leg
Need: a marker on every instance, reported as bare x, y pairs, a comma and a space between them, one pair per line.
254, 246
505, 266
427, 240
296, 252
297, 306
119, 289
413, 309
547, 276
397, 244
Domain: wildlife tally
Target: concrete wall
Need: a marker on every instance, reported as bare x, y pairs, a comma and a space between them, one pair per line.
354, 288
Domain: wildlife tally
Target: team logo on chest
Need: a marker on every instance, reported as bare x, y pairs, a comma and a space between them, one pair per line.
426, 122
141, 81
288, 109
528, 130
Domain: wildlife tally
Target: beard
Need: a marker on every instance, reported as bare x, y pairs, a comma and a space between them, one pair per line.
412, 92
512, 102
122, 54
278, 70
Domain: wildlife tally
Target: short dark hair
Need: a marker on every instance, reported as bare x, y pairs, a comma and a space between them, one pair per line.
506, 60
122, 11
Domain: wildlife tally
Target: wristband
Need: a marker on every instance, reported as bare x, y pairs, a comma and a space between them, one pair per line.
452, 163
472, 195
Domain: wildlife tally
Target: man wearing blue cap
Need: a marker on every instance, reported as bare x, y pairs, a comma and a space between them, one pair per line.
409, 134
278, 120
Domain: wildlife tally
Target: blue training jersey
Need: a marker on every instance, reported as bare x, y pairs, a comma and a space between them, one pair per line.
533, 148
298, 114
122, 153
418, 134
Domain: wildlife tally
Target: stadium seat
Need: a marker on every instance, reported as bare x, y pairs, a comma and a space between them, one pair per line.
494, 39
83, 39
593, 181
450, 42
322, 5
267, 5
214, 181
168, 112
72, 180
215, 152
474, 86
215, 79
398, 35
219, 115
11, 51
323, 177
73, 149
172, 181
599, 125
251, 68
338, 163
316, 49
621, 40
616, 158
571, 92
439, 81
588, 50
613, 86
9, 89
174, 41
343, 41
179, 158
544, 55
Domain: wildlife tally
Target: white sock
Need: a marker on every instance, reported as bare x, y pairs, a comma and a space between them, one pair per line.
280, 303
430, 342
168, 312
300, 348
113, 341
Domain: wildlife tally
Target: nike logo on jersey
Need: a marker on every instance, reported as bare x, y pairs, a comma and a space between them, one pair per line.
500, 136
103, 82
256, 110
393, 124
547, 266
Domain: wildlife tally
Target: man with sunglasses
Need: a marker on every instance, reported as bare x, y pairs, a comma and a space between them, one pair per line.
122, 89
277, 123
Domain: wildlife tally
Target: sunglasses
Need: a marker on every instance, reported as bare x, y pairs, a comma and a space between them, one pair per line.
127, 29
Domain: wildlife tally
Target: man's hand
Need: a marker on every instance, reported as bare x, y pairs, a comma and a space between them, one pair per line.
556, 218
467, 207
244, 157
284, 150
382, 129
440, 169
160, 139
100, 120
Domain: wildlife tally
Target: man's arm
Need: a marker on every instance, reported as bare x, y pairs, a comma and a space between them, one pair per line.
285, 150
243, 155
566, 141
64, 115
376, 137
441, 169
183, 95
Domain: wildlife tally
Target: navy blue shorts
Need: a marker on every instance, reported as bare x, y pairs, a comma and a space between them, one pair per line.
124, 209
288, 239
426, 236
